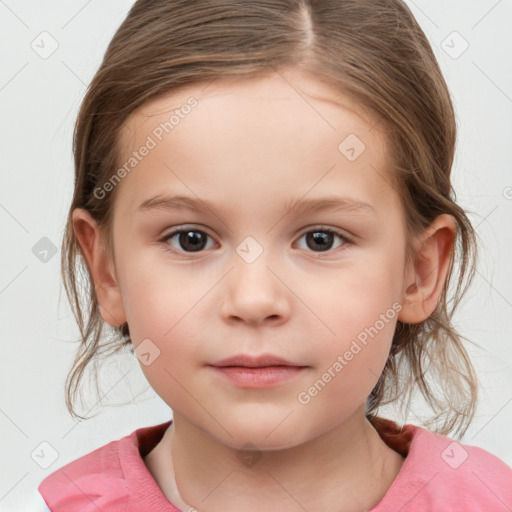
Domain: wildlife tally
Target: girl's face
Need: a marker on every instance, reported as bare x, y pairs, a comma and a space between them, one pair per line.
319, 286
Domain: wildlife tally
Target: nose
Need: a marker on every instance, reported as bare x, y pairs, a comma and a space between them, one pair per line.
254, 293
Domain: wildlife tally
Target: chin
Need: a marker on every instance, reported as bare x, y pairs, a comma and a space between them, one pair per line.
264, 435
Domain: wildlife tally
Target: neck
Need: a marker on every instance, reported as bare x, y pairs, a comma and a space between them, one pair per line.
348, 468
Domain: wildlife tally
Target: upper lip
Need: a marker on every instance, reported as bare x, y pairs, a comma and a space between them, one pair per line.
255, 361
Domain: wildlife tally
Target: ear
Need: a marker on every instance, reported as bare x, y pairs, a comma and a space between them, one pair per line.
426, 277
101, 267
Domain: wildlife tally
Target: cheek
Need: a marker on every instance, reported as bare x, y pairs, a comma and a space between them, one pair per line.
358, 351
349, 368
162, 309
174, 341
158, 299
351, 299
361, 311
161, 314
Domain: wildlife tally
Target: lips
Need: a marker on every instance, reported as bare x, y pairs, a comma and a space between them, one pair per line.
263, 371
261, 361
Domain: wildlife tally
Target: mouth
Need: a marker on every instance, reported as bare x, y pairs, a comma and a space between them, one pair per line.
261, 361
256, 372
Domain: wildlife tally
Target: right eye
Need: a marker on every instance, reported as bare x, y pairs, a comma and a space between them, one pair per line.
191, 240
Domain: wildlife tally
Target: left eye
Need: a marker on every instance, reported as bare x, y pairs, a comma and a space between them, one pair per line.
194, 240
323, 239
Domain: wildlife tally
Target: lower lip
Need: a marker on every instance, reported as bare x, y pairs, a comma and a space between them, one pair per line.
261, 377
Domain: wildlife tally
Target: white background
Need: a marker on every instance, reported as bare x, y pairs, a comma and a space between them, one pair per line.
39, 101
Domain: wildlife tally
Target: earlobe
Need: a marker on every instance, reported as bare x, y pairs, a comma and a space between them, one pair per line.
426, 278
101, 267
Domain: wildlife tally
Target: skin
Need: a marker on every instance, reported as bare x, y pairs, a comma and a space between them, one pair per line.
249, 147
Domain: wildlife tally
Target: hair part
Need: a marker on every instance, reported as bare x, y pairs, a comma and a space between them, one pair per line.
371, 51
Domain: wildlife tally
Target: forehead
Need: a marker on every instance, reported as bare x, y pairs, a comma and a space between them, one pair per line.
291, 93
286, 129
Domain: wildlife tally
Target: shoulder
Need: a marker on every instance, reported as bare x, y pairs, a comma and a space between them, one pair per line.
103, 478
460, 458
440, 473
78, 484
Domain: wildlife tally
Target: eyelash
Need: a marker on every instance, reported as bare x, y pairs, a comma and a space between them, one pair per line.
321, 229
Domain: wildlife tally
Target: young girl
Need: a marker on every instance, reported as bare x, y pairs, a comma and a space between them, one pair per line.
264, 213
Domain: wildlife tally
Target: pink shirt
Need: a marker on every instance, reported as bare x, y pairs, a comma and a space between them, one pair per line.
438, 474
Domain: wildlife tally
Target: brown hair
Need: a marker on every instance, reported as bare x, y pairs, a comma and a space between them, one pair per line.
373, 51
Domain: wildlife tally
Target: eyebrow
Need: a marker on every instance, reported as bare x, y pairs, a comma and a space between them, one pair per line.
298, 206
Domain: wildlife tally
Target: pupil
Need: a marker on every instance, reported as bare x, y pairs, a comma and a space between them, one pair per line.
192, 239
322, 239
